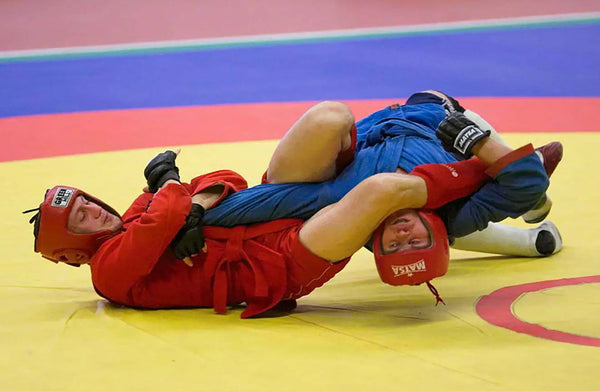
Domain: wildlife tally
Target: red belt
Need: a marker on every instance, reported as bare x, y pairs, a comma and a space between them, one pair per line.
268, 266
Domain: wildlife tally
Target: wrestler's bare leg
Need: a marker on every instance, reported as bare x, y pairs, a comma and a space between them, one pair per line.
308, 151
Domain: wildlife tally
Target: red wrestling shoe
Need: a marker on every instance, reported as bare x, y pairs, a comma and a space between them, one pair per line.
551, 154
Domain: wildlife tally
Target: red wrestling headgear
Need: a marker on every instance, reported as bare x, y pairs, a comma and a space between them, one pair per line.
52, 237
414, 267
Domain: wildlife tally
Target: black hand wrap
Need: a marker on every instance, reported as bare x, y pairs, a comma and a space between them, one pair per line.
190, 238
459, 134
160, 169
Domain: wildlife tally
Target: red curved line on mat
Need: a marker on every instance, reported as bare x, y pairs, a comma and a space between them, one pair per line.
495, 308
38, 136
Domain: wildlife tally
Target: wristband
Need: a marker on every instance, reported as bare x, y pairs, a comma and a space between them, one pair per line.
467, 138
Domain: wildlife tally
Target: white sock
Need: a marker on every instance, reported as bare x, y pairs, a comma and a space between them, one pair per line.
501, 239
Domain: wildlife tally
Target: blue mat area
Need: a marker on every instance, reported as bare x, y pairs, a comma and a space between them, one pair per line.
525, 61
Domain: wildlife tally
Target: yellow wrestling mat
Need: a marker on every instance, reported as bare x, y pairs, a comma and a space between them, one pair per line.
355, 333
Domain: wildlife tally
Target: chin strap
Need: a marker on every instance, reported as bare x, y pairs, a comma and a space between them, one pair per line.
35, 216
438, 299
35, 220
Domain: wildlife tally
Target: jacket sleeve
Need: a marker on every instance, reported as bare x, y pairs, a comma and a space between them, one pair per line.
519, 181
138, 207
231, 181
128, 257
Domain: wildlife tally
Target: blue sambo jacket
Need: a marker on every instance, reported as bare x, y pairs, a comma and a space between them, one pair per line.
397, 136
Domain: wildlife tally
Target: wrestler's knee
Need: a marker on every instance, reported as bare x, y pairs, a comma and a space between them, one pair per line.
331, 114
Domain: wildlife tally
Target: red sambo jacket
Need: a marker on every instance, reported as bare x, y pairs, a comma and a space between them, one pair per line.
248, 264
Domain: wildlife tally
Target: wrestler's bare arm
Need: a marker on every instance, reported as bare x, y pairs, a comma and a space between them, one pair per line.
489, 150
341, 229
207, 197
338, 231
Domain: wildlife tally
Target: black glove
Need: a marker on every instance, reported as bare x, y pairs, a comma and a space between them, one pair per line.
451, 105
459, 134
190, 238
160, 169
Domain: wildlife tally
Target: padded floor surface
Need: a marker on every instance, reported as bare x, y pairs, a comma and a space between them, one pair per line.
94, 120
354, 333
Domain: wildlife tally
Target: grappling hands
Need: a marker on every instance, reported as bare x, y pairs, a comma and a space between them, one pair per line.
189, 240
161, 169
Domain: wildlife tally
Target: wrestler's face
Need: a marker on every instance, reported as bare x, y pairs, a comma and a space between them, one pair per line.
87, 217
404, 230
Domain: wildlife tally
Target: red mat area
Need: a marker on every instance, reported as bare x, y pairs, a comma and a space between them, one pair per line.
496, 308
88, 132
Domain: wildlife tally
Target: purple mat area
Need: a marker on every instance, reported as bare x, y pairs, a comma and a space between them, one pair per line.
555, 60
